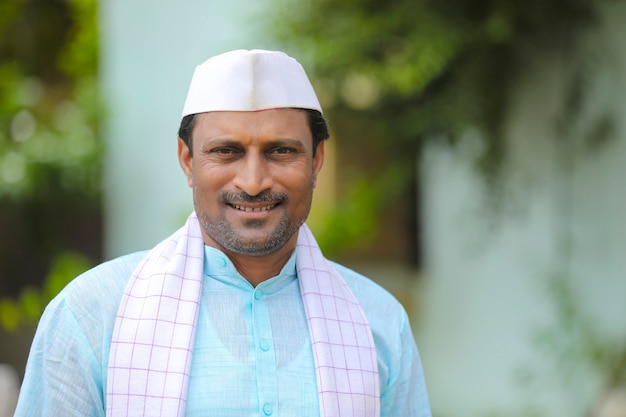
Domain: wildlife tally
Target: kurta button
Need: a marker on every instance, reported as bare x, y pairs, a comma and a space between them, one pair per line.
268, 409
222, 262
264, 345
257, 295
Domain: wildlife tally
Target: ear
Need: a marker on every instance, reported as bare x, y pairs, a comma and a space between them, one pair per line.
318, 161
186, 161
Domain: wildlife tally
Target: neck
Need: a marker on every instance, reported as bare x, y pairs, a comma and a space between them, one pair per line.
257, 269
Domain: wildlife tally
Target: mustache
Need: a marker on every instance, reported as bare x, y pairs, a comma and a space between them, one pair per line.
264, 197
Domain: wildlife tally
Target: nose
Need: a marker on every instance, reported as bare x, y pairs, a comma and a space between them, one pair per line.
253, 175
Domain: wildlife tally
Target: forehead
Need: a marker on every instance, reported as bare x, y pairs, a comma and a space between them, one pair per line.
265, 124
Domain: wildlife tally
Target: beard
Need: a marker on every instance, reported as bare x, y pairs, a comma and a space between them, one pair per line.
222, 232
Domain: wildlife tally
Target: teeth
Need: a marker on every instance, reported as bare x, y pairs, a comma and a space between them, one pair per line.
252, 209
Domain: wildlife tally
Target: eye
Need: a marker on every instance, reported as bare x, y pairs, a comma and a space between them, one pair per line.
283, 151
223, 151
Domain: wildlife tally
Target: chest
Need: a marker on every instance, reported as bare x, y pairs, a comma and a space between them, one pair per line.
252, 356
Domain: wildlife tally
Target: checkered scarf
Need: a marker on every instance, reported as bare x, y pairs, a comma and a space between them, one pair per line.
152, 341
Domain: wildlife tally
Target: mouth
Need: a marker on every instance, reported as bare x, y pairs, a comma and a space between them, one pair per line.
253, 209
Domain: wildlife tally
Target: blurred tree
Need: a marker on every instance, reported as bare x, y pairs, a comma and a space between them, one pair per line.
393, 74
49, 146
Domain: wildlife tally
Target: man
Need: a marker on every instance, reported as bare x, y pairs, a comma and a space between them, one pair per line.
237, 313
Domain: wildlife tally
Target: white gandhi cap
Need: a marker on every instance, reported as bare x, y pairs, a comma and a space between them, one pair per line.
244, 80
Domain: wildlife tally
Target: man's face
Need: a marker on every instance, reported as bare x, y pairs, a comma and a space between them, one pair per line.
252, 175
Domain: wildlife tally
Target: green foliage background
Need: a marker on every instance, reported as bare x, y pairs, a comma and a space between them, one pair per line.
50, 151
393, 75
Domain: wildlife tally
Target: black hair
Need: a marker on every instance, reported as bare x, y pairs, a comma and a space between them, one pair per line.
317, 124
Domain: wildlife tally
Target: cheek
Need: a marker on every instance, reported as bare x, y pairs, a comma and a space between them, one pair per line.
206, 185
207, 177
300, 185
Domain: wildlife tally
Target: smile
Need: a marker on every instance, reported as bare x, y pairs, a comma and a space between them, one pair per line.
253, 209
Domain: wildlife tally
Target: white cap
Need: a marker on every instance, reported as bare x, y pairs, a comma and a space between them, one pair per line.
244, 80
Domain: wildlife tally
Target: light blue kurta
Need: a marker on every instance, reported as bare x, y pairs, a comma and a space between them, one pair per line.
252, 355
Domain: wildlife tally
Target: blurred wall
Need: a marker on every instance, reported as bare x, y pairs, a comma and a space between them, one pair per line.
148, 53
562, 217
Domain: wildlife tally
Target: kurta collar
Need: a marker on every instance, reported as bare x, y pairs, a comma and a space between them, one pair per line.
219, 267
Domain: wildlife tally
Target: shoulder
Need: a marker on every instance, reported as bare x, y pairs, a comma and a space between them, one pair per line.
403, 390
386, 315
101, 285
375, 300
87, 306
66, 366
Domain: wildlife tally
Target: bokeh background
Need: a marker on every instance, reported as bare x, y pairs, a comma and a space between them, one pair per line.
476, 169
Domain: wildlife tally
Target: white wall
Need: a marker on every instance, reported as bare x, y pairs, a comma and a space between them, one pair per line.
486, 284
149, 52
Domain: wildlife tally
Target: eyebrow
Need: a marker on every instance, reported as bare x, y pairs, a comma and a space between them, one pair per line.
287, 142
274, 142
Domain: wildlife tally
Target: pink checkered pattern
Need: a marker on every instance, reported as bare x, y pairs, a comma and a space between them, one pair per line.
152, 341
343, 345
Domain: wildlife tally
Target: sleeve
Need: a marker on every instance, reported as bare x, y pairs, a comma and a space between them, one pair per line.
63, 377
405, 393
